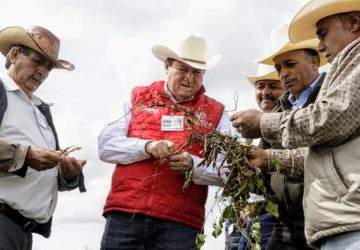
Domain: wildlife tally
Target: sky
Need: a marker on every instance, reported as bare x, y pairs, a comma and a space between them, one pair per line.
110, 42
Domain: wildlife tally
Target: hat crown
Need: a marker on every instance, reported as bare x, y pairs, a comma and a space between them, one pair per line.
191, 51
264, 72
303, 24
264, 69
45, 40
193, 48
280, 43
279, 37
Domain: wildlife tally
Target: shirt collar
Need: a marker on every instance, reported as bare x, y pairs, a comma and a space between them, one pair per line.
8, 82
304, 95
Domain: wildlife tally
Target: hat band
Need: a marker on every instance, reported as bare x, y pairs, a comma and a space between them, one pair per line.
192, 60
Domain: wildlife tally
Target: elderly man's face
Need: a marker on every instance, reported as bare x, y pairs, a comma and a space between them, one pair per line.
267, 93
295, 71
29, 71
184, 82
333, 36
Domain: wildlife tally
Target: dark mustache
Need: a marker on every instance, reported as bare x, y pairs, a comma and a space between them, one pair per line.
267, 98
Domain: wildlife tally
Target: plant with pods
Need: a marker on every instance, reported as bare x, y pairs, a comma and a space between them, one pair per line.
227, 154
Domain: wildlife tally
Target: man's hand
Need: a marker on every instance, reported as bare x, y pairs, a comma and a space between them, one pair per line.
247, 123
42, 159
70, 167
258, 157
160, 149
181, 162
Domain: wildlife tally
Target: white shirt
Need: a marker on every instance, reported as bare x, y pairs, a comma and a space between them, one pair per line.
115, 147
34, 196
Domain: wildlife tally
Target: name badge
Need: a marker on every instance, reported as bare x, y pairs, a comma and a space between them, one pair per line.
172, 123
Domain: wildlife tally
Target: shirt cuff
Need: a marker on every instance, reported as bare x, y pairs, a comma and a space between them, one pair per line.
69, 184
269, 125
270, 156
206, 175
19, 157
142, 143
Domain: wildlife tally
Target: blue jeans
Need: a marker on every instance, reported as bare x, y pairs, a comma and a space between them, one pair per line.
141, 232
266, 222
232, 236
344, 241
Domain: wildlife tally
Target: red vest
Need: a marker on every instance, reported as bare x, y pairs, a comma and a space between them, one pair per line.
152, 188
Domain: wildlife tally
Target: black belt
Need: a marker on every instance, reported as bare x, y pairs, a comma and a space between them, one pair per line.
28, 225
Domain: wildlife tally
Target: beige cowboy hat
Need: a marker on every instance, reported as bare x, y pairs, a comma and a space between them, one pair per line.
303, 25
264, 72
192, 51
280, 43
36, 38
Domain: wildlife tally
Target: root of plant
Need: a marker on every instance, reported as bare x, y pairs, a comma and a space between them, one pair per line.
227, 154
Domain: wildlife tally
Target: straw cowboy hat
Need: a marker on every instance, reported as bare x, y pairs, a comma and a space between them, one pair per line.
280, 43
303, 25
36, 38
264, 72
192, 51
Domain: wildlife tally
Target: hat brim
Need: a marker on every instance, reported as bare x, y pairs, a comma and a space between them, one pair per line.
162, 53
18, 36
270, 76
303, 24
307, 44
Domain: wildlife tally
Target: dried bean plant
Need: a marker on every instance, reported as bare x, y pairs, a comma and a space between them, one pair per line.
225, 153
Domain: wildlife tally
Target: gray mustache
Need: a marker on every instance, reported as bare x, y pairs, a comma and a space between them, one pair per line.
37, 77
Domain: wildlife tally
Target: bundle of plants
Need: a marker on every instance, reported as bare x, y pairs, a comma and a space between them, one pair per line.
228, 157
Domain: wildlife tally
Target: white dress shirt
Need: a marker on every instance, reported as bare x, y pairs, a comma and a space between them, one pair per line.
116, 147
35, 195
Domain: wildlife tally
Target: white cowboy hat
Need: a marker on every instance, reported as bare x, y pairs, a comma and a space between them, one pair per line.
192, 51
36, 38
303, 25
280, 43
264, 72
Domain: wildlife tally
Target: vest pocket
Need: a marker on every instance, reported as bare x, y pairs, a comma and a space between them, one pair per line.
338, 176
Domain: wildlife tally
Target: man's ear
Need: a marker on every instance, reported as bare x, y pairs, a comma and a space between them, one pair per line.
354, 19
166, 66
14, 53
315, 62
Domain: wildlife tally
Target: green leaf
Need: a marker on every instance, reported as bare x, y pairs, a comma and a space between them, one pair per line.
260, 184
257, 171
276, 164
256, 232
217, 229
272, 208
228, 214
256, 247
200, 240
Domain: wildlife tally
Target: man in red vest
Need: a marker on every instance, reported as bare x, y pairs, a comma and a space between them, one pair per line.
147, 207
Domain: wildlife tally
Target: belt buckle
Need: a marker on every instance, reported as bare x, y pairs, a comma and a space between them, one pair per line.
29, 226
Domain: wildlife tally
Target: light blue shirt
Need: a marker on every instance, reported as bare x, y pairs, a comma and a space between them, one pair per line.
299, 103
